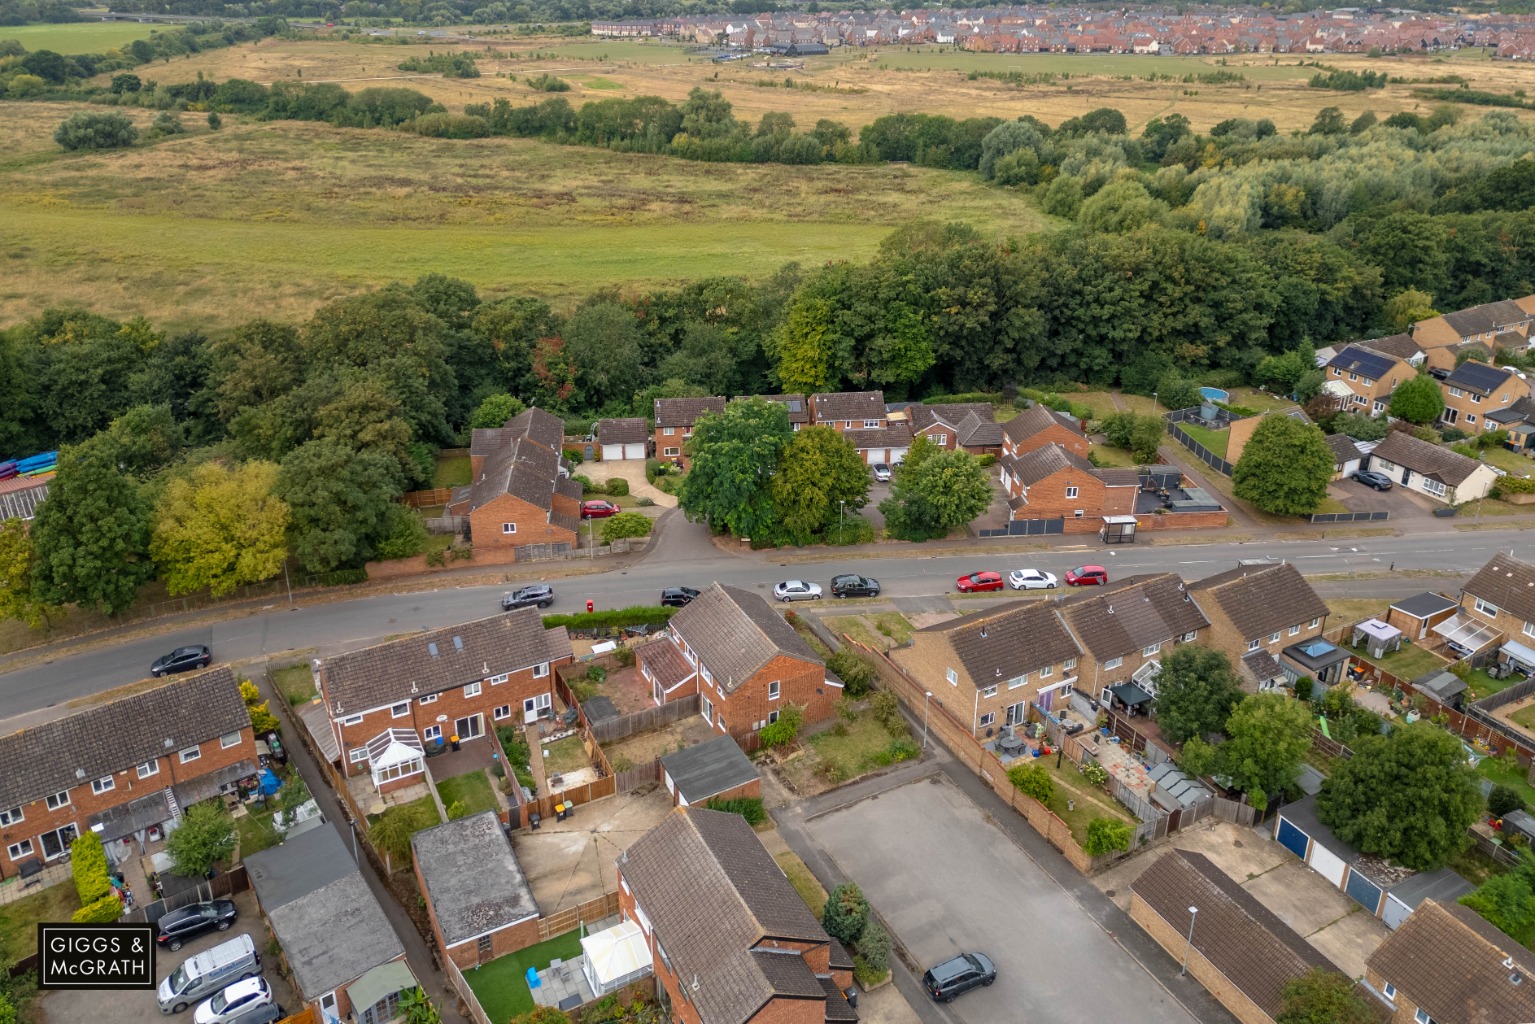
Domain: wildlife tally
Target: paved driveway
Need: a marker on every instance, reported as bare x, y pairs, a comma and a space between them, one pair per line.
1399, 501
947, 880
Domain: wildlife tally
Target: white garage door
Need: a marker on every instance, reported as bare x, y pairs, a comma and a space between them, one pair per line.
874, 456
1327, 864
634, 451
612, 452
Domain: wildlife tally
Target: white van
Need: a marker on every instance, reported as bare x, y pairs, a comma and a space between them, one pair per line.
208, 972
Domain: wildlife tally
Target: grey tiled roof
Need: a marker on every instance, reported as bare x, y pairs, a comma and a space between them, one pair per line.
706, 769
628, 430
665, 663
539, 426
1259, 667
1034, 419
897, 435
472, 878
841, 406
798, 408
114, 735
1344, 450
1449, 962
1490, 316
523, 469
1400, 346
1430, 460
684, 412
1508, 583
1009, 640
404, 669
1120, 620
1425, 604
1262, 599
974, 423
737, 632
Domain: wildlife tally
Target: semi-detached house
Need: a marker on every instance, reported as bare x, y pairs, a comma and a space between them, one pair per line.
1270, 618
1361, 379
1473, 391
1036, 427
1497, 613
1125, 630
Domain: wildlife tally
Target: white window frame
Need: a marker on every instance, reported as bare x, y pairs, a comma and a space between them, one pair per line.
540, 670
472, 689
57, 800
671, 453
400, 710
152, 766
229, 739
1529, 629
986, 719
871, 424
988, 692
508, 528
668, 431
706, 709
1422, 1018
16, 851
772, 716
499, 679
1456, 393
357, 755
1071, 492
1017, 681
1113, 663
1295, 629
1151, 650
1069, 664
952, 676
1433, 487
774, 690
1314, 623
1470, 417
1190, 636
12, 816
1389, 991
1253, 645
105, 784
1476, 399
1047, 672
352, 720
708, 676
195, 752
1485, 607
1274, 637
502, 712
431, 732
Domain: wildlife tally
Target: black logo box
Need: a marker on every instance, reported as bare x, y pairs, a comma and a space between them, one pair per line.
95, 956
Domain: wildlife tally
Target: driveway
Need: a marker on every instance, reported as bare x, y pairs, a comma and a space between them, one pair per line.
1399, 501
947, 880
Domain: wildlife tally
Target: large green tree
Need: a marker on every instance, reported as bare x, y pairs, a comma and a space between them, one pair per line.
339, 502
18, 587
205, 836
1285, 467
1508, 900
1418, 400
820, 474
933, 491
1408, 797
220, 528
1196, 690
1323, 997
732, 459
810, 354
1267, 738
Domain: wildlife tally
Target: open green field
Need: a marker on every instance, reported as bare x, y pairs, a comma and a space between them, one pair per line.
80, 37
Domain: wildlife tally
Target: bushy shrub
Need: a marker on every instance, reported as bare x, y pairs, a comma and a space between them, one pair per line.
874, 948
885, 706
846, 914
449, 126
626, 525
1094, 772
96, 131
1034, 780
749, 808
103, 911
88, 863
1503, 800
618, 487
856, 673
903, 748
1105, 835
783, 732
612, 618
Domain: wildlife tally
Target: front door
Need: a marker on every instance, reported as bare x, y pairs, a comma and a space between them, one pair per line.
534, 708
469, 728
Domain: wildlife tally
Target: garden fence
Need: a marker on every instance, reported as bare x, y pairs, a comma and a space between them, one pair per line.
465, 993
1182, 436
218, 887
1350, 517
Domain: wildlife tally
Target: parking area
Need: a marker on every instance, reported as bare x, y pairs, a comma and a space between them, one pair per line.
570, 862
71, 1007
947, 880
1399, 501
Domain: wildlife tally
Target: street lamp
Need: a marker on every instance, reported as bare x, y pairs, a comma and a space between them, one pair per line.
926, 697
1193, 913
841, 508
1153, 401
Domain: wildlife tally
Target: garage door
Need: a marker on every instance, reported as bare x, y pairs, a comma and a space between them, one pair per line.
1365, 892
874, 456
612, 452
1396, 912
1292, 838
1327, 864
634, 451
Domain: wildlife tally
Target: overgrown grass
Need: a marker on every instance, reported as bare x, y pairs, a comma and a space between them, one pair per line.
854, 754
19, 920
451, 471
295, 683
564, 756
1408, 663
256, 832
803, 881
1475, 866
501, 986
1090, 801
472, 789
1514, 778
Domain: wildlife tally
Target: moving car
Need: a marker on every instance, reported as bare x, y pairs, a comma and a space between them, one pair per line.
1087, 576
979, 581
180, 925
678, 597
1031, 579
540, 594
881, 472
1370, 478
181, 660
598, 509
852, 585
797, 590
959, 975
232, 1003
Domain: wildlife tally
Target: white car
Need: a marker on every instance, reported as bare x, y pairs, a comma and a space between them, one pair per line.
881, 472
1031, 579
797, 590
239, 998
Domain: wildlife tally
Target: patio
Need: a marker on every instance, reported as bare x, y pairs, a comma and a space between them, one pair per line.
563, 984
1121, 762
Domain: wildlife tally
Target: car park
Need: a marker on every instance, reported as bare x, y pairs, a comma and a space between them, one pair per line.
598, 509
540, 594
959, 975
1370, 478
233, 1002
853, 585
677, 597
881, 472
1031, 579
1087, 576
980, 581
182, 659
208, 972
797, 590
180, 925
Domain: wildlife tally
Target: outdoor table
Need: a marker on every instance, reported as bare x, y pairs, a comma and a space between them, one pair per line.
1010, 745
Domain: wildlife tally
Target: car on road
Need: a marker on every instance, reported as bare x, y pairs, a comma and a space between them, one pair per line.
797, 590
598, 509
232, 1004
1031, 579
959, 975
979, 581
678, 597
881, 472
1370, 478
182, 659
540, 594
853, 585
180, 925
1087, 576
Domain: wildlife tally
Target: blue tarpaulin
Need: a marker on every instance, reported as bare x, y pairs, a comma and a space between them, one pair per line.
269, 783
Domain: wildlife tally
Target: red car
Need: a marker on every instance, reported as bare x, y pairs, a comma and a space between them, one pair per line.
978, 581
1087, 576
598, 509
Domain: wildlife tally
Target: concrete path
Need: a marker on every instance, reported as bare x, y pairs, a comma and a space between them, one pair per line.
632, 470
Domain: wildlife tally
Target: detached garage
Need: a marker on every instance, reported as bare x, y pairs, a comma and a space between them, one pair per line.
622, 439
715, 769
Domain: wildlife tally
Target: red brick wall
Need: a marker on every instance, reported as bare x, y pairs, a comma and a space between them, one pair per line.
780, 1010
683, 1012
798, 683
1183, 521
1206, 973
533, 526
507, 940
1047, 499
751, 790
940, 435
1054, 434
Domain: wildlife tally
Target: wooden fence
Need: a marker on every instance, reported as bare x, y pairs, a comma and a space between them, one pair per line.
614, 729
562, 921
465, 993
427, 499
219, 886
630, 779
1475, 724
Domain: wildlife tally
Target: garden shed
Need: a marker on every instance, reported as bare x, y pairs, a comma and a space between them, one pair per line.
1416, 615
713, 769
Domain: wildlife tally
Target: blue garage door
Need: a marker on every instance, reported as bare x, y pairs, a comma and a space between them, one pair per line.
1364, 891
1291, 838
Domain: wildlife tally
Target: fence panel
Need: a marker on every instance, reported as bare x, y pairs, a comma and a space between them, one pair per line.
562, 921
217, 887
631, 779
1350, 517
1028, 528
614, 729
1237, 813
427, 499
1182, 436
465, 993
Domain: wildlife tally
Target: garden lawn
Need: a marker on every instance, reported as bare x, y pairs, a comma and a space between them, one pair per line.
1502, 775
1105, 455
803, 881
854, 753
451, 471
1498, 456
472, 788
1215, 440
256, 832
1525, 716
1408, 663
295, 683
19, 920
1091, 802
564, 756
501, 985
1483, 685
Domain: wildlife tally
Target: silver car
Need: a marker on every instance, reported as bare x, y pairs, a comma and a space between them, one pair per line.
797, 590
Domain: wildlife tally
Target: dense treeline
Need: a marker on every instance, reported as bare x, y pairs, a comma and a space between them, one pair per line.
24, 74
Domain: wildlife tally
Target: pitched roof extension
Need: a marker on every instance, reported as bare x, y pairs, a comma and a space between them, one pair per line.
1032, 420
1455, 966
736, 632
626, 430
684, 412
709, 768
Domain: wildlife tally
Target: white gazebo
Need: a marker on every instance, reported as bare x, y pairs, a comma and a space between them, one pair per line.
395, 754
1378, 638
614, 957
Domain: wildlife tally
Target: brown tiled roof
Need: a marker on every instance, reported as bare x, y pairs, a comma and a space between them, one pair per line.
1034, 419
569, 488
1449, 962
629, 430
1344, 450
1490, 316
538, 426
1430, 460
684, 412
523, 469
712, 892
848, 405
736, 632
1139, 611
837, 1008
1008, 641
974, 423
106, 738
788, 974
1032, 467
978, 432
1240, 937
897, 435
665, 662
798, 408
1399, 346
1508, 583
486, 440
1261, 599
1119, 476
403, 669
840, 958
1258, 667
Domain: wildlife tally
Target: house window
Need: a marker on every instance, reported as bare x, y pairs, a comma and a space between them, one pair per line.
352, 720
1353, 377
990, 691
1295, 630
1070, 664
357, 754
773, 690
1456, 393
871, 424
504, 711
508, 527
1470, 417
772, 717
430, 698
1274, 637
1071, 492
941, 440
58, 800
1337, 372
986, 719
401, 710
708, 676
1314, 623
1018, 713
541, 670
229, 739
11, 816
1486, 608
1252, 645
190, 754
672, 452
149, 768
498, 680
482, 948
1113, 663
432, 733
16, 851
1433, 487
1150, 649
1378, 408
708, 710
669, 431
848, 424
1388, 990
1047, 672
1017, 681
1422, 1018
953, 677
472, 690
1529, 629
1476, 399
103, 785
1188, 637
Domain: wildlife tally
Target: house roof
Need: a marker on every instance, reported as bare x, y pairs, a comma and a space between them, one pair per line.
712, 893
684, 412
538, 426
736, 632
1508, 583
973, 422
334, 935
1451, 963
709, 768
1479, 377
665, 662
1430, 460
1421, 606
301, 865
628, 430
799, 411
897, 435
1261, 599
118, 733
1344, 450
436, 660
1244, 940
1008, 641
1400, 346
1488, 317
1121, 619
1257, 668
1034, 419
522, 468
1363, 361
848, 405
1041, 463
472, 877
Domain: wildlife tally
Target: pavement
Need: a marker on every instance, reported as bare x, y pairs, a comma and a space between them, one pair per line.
570, 862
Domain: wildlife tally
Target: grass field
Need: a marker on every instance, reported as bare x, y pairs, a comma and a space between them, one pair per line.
80, 37
19, 920
296, 684
1215, 440
804, 882
1408, 663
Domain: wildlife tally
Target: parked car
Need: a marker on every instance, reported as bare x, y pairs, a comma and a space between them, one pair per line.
881, 472
1370, 478
797, 590
598, 509
182, 659
852, 585
1087, 576
678, 597
959, 975
208, 972
540, 594
231, 1004
979, 581
266, 1013
180, 925
1031, 579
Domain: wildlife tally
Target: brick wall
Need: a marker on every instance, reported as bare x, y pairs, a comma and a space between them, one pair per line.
503, 941
944, 437
675, 439
1183, 521
533, 526
800, 682
750, 790
1047, 498
1206, 973
683, 1011
1405, 1008
781, 1010
1054, 434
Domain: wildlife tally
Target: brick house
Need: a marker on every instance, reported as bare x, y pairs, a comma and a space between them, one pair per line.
119, 766
1474, 390
521, 495
850, 410
715, 769
998, 661
1447, 965
1257, 614
1238, 949
384, 703
477, 896
730, 940
1036, 427
1124, 629
880, 444
622, 439
675, 419
1362, 379
1502, 596
1479, 323
542, 428
795, 405
1052, 481
970, 426
1431, 469
738, 654
1399, 346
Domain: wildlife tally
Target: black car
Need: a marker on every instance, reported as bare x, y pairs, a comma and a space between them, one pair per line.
678, 597
182, 659
1370, 478
963, 973
540, 594
851, 585
181, 925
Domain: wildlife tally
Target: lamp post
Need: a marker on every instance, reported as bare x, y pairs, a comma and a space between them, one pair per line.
926, 697
1193, 914
1153, 402
841, 509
